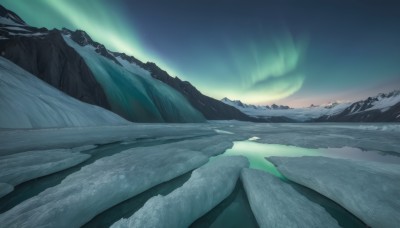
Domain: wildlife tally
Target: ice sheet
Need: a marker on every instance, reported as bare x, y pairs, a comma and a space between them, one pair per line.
207, 187
100, 185
369, 190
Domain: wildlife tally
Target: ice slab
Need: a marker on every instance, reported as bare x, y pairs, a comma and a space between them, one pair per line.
5, 189
101, 185
28, 102
276, 204
21, 167
12, 141
369, 190
207, 187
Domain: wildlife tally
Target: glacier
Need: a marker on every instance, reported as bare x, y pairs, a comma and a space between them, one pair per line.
102, 184
207, 186
276, 204
369, 190
134, 95
28, 102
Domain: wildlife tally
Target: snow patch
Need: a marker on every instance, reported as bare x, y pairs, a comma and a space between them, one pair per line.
223, 132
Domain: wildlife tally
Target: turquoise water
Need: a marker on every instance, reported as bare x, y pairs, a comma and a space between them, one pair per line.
257, 152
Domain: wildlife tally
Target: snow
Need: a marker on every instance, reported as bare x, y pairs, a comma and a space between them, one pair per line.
134, 68
369, 190
206, 188
101, 185
28, 102
223, 132
276, 204
254, 138
5, 189
21, 167
7, 21
384, 103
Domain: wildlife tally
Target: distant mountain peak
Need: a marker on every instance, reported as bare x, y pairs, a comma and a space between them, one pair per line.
240, 104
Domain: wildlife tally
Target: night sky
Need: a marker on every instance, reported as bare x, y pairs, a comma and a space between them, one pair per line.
260, 52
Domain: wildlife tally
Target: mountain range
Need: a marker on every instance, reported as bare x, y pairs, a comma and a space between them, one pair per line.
384, 107
85, 70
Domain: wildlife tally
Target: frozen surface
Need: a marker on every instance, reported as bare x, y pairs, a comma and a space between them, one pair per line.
369, 190
28, 102
276, 204
5, 189
100, 185
12, 141
209, 146
134, 95
21, 167
207, 187
381, 137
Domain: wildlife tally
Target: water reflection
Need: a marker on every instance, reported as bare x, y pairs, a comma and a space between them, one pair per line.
256, 153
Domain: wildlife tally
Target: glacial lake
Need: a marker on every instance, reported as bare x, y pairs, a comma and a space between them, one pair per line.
257, 153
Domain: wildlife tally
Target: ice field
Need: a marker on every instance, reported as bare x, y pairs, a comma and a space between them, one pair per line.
201, 175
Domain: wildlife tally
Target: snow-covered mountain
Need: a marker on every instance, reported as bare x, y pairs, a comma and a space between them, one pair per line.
383, 108
74, 63
239, 104
69, 61
28, 102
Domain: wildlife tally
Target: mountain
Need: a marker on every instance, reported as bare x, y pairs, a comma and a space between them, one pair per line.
45, 54
28, 102
84, 69
385, 107
381, 108
247, 107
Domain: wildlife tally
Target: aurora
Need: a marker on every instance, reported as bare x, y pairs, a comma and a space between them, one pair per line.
259, 52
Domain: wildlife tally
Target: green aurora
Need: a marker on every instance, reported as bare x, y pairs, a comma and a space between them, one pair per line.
259, 53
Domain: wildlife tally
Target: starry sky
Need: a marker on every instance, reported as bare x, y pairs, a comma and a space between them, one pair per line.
295, 53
